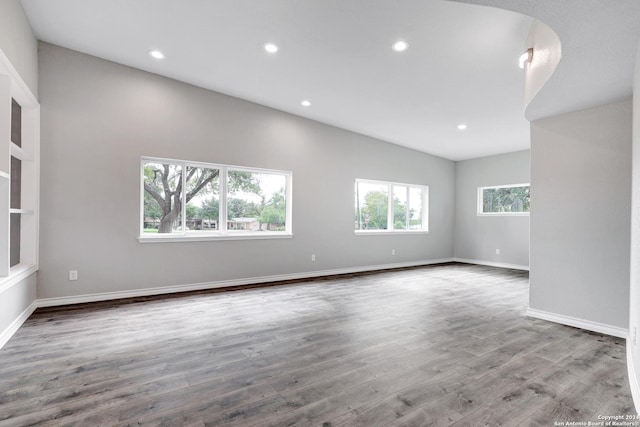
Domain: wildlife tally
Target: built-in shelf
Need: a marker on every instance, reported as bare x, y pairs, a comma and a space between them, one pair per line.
21, 211
18, 152
19, 166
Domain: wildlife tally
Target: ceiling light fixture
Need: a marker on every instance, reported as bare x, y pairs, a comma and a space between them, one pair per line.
305, 103
526, 58
400, 46
156, 54
462, 126
271, 47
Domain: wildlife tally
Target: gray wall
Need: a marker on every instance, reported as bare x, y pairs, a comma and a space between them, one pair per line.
581, 195
478, 237
19, 45
633, 348
99, 117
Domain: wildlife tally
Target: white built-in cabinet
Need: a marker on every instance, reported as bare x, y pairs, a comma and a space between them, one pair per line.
19, 176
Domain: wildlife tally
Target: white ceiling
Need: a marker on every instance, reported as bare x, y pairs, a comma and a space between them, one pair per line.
599, 42
461, 65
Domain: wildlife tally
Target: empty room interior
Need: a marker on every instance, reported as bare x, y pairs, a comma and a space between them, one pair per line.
336, 213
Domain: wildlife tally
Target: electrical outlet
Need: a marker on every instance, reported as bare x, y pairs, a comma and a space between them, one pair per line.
497, 251
393, 251
73, 274
313, 257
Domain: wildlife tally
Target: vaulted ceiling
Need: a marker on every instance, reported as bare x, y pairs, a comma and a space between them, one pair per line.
461, 65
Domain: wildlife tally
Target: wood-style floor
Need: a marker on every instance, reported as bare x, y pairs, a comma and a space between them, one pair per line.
441, 345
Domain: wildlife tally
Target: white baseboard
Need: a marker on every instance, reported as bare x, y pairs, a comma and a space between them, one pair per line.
492, 264
633, 379
13, 327
579, 323
106, 296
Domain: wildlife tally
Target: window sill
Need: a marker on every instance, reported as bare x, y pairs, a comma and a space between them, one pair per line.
388, 232
211, 237
504, 214
17, 273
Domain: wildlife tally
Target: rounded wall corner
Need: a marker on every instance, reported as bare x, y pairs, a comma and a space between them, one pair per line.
547, 54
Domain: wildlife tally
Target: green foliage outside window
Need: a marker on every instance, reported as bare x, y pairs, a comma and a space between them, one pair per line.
506, 199
253, 198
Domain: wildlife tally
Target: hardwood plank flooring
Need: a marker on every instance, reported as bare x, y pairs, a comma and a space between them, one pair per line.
444, 345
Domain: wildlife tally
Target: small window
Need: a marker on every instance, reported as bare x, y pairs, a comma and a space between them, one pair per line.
189, 200
504, 200
390, 207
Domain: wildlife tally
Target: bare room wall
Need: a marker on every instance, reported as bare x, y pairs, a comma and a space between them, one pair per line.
99, 117
581, 203
478, 237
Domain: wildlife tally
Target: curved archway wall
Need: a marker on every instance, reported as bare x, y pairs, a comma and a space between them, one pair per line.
585, 224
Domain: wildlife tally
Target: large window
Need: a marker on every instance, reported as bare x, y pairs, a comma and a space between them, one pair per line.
390, 207
189, 201
504, 200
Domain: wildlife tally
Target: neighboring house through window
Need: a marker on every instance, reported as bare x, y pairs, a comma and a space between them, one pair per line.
184, 200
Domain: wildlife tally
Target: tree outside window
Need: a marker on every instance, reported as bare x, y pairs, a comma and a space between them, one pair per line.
374, 206
254, 201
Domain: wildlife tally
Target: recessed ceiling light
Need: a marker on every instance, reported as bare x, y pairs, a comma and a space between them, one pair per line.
462, 126
400, 46
305, 103
156, 54
271, 47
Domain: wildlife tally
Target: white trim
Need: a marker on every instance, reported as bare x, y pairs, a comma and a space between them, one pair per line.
6, 335
633, 379
24, 95
159, 238
106, 296
493, 187
17, 274
424, 215
480, 199
18, 152
387, 232
222, 232
503, 214
80, 299
578, 323
492, 264
21, 211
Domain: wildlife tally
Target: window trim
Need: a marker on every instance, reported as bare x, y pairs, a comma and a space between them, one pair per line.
222, 233
480, 199
390, 230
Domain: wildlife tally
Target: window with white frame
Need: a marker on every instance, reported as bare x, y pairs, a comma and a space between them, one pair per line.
19, 163
504, 200
382, 206
183, 200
